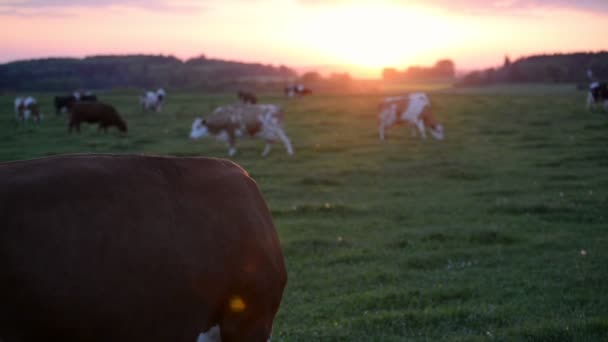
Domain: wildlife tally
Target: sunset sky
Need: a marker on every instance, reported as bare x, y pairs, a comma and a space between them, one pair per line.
358, 36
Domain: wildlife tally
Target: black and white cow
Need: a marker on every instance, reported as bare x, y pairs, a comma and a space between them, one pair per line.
598, 95
63, 103
297, 90
128, 248
412, 109
153, 101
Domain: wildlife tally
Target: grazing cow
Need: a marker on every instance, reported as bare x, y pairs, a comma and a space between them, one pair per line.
598, 95
263, 121
128, 248
297, 90
247, 97
26, 108
412, 109
95, 112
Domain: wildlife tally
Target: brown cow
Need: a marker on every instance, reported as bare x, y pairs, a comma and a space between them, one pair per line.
95, 112
130, 248
247, 97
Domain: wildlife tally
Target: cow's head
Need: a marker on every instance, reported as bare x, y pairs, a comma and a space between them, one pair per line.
199, 129
437, 132
122, 125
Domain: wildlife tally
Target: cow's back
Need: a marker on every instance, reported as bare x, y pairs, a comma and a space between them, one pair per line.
93, 111
126, 248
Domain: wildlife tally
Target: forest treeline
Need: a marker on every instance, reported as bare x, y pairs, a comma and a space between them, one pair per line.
572, 68
136, 71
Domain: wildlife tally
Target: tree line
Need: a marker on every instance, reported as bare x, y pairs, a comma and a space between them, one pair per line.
443, 69
135, 71
548, 68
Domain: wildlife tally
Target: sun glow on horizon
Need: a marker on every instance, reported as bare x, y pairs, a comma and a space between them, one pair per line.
368, 37
357, 36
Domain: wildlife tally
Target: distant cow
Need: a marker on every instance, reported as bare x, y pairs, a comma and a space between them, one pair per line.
95, 112
27, 107
598, 95
128, 248
153, 101
247, 97
264, 121
297, 90
412, 109
65, 102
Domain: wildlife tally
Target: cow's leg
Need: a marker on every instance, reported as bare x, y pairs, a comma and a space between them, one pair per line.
606, 105
420, 125
231, 151
589, 101
211, 335
285, 140
267, 149
381, 131
231, 143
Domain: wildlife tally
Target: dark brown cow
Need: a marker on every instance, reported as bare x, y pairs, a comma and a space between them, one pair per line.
95, 112
247, 97
130, 248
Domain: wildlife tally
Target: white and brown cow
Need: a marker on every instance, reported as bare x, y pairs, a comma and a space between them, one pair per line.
412, 109
598, 95
128, 248
26, 107
264, 121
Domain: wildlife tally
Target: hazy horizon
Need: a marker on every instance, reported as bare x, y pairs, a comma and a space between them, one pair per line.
360, 37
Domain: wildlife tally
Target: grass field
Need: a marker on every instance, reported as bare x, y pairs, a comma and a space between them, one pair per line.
500, 232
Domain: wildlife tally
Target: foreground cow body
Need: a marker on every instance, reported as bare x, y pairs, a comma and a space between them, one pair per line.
95, 112
412, 109
27, 107
598, 95
264, 121
125, 248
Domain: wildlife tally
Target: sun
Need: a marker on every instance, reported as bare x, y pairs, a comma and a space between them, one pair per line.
374, 35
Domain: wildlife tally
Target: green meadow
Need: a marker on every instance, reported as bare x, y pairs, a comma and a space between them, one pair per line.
499, 232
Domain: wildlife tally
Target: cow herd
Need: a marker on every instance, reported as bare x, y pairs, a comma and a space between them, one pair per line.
85, 107
249, 118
